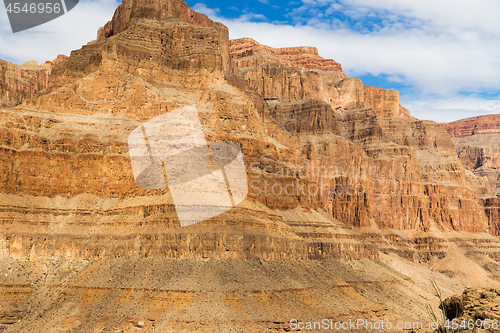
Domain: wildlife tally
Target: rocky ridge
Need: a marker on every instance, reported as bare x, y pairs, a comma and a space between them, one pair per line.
77, 230
293, 74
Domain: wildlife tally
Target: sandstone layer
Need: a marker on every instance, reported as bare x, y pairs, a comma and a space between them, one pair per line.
350, 198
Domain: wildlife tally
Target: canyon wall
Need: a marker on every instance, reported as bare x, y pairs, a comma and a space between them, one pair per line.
20, 82
337, 171
345, 147
403, 167
477, 141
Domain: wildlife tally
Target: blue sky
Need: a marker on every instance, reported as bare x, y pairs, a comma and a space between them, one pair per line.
442, 55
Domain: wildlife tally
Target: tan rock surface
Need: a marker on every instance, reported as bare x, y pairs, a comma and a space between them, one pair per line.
292, 74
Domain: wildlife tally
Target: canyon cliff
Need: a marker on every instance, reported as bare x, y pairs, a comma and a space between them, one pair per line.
348, 193
477, 143
20, 82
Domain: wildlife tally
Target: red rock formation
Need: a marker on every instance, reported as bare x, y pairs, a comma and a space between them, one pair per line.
246, 52
49, 64
20, 82
489, 124
292, 74
477, 141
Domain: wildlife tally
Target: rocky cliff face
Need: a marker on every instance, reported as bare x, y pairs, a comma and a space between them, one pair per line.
477, 141
20, 82
343, 146
336, 171
292, 74
404, 166
128, 13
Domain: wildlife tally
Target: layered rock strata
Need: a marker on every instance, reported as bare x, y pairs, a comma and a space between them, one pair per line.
381, 169
335, 173
404, 167
293, 74
20, 82
477, 141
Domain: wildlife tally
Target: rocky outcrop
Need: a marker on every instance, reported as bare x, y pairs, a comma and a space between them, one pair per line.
474, 306
49, 64
293, 74
20, 82
131, 11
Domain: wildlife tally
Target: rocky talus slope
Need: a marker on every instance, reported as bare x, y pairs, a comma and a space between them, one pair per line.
353, 204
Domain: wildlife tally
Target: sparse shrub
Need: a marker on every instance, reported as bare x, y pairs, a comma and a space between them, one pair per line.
441, 321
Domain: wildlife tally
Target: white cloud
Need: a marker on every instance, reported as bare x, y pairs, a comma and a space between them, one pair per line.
202, 8
448, 15
60, 36
450, 109
214, 12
